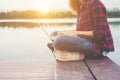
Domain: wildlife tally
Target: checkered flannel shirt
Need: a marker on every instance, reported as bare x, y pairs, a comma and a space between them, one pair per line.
94, 18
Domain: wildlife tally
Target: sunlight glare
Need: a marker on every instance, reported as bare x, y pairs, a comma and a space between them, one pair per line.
43, 8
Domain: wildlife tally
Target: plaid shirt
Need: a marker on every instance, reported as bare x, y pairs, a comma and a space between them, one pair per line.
94, 18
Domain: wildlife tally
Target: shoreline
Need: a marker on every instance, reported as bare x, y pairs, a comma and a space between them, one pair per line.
57, 20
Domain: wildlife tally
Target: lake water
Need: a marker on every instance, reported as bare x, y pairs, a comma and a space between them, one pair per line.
27, 41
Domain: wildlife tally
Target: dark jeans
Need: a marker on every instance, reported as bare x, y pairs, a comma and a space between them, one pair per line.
70, 43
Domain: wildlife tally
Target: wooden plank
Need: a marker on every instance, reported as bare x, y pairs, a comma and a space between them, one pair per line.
27, 71
72, 70
104, 69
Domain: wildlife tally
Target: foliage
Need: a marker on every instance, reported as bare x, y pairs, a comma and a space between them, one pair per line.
31, 14
114, 13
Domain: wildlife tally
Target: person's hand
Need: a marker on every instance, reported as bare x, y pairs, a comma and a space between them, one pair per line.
55, 33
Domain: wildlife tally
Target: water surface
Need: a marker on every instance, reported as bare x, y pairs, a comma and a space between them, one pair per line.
27, 41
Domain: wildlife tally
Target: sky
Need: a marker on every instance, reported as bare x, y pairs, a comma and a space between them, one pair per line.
46, 5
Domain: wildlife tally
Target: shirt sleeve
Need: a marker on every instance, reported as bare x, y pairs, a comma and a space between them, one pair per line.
99, 21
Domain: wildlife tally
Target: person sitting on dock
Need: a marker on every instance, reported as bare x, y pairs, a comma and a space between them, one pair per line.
92, 36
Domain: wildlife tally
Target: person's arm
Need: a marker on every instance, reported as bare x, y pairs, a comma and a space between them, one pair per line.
84, 34
99, 16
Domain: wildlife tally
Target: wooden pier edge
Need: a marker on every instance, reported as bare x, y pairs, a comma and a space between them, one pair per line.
92, 69
72, 70
104, 69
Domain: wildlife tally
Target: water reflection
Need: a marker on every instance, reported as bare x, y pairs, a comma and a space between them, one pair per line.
24, 41
31, 24
115, 24
115, 29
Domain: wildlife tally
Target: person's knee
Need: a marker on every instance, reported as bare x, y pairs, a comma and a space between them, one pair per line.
58, 42
61, 42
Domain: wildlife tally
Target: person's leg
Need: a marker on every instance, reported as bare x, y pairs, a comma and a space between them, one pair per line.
50, 45
72, 44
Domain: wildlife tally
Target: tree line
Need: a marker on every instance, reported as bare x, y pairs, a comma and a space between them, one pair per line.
114, 13
31, 14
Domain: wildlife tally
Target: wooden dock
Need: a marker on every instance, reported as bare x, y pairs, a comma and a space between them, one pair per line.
27, 70
98, 69
95, 69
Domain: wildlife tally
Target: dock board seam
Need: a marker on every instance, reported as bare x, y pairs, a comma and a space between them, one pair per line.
90, 70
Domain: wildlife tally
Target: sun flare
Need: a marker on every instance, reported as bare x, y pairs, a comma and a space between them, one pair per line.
43, 8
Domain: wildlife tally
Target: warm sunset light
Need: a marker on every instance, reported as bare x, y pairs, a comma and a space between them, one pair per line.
59, 39
43, 8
